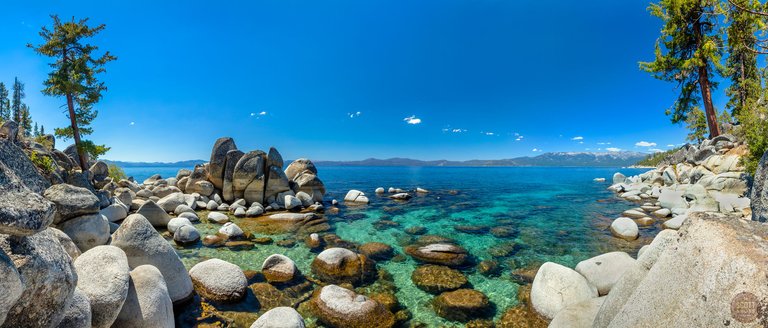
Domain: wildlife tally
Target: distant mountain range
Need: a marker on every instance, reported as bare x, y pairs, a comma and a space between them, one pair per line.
190, 163
623, 158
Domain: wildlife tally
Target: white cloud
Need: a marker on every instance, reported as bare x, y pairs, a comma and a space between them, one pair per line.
412, 120
459, 130
603, 143
132, 123
656, 150
355, 114
581, 142
645, 144
519, 138
670, 145
536, 150
517, 134
578, 138
613, 149
262, 113
488, 133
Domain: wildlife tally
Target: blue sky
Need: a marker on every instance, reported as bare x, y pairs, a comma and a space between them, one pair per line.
341, 80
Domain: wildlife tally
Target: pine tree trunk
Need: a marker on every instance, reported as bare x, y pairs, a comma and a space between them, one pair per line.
76, 133
706, 87
706, 96
75, 129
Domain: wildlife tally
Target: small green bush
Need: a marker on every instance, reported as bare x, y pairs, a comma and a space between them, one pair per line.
116, 172
754, 131
42, 162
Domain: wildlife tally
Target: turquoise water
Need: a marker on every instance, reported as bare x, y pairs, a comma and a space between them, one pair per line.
556, 214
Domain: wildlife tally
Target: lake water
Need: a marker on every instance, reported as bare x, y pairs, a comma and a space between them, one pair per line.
557, 214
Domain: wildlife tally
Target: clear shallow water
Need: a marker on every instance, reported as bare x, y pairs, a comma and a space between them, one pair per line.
558, 214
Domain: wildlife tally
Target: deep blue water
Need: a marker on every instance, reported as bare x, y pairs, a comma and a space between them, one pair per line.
558, 214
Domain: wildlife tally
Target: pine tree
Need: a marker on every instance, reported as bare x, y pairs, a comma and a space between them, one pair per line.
741, 64
16, 101
25, 122
36, 130
74, 77
5, 104
42, 130
688, 52
696, 123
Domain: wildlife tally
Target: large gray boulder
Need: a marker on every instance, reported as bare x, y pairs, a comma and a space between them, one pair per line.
759, 195
66, 242
154, 214
299, 166
604, 270
171, 201
148, 303
579, 315
219, 281
48, 277
10, 284
114, 212
556, 287
87, 231
218, 161
103, 276
99, 170
144, 245
275, 159
228, 189
23, 211
279, 317
277, 183
16, 167
250, 167
727, 272
199, 174
78, 314
71, 201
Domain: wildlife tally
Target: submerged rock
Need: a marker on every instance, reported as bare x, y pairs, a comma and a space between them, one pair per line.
439, 253
377, 251
340, 307
279, 268
462, 305
340, 265
436, 279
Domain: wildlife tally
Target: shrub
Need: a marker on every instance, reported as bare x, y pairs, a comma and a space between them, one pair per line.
116, 172
754, 131
43, 162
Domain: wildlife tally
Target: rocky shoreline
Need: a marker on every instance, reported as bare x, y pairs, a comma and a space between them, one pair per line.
706, 266
105, 254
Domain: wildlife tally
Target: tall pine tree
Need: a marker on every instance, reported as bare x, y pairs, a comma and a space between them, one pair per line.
688, 52
16, 100
74, 77
25, 122
5, 103
741, 64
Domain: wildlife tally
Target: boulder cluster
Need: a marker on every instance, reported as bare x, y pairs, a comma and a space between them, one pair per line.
703, 178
